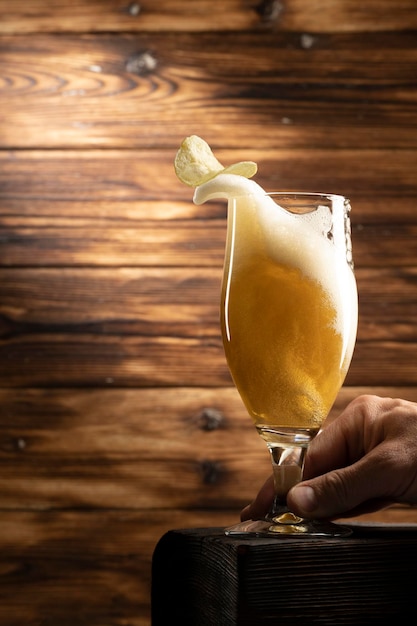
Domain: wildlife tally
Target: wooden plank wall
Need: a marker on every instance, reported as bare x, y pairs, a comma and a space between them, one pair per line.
118, 420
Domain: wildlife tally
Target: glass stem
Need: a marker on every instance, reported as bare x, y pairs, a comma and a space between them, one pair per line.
287, 466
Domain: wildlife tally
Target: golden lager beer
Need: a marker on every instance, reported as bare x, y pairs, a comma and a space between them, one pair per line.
288, 314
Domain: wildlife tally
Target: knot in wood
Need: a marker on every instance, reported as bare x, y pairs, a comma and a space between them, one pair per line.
211, 472
141, 63
210, 419
269, 10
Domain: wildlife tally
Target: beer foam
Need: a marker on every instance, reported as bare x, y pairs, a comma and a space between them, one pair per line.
226, 186
312, 242
305, 240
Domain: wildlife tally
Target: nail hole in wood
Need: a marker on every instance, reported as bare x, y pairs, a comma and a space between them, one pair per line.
211, 472
210, 419
133, 9
269, 10
141, 63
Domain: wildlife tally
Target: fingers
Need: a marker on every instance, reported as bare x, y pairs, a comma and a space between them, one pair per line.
345, 440
364, 459
368, 484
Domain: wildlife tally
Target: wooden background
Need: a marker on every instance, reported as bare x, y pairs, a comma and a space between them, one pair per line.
118, 420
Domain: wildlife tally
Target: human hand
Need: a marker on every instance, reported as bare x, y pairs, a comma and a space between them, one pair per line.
362, 461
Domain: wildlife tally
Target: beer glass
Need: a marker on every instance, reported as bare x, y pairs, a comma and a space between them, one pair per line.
288, 319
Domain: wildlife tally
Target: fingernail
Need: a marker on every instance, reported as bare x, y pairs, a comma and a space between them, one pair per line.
305, 498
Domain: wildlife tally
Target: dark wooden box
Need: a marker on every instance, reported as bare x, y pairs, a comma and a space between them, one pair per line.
200, 577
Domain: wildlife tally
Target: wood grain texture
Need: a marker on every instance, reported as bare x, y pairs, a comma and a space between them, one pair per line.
139, 327
151, 91
147, 449
86, 568
118, 15
142, 449
86, 187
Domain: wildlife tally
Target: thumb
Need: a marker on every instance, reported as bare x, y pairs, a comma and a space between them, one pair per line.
340, 493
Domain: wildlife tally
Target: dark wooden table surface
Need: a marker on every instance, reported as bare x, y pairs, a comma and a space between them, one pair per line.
202, 577
118, 419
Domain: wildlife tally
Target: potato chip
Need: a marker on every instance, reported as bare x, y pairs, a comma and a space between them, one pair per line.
196, 164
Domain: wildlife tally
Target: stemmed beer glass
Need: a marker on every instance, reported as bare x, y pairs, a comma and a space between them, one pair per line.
288, 318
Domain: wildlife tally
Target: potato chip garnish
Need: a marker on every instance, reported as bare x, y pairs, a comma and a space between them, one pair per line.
195, 163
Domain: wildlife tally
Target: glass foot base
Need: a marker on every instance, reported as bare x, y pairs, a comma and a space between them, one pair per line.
300, 528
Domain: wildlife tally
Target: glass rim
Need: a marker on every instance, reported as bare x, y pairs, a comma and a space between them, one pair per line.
303, 195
